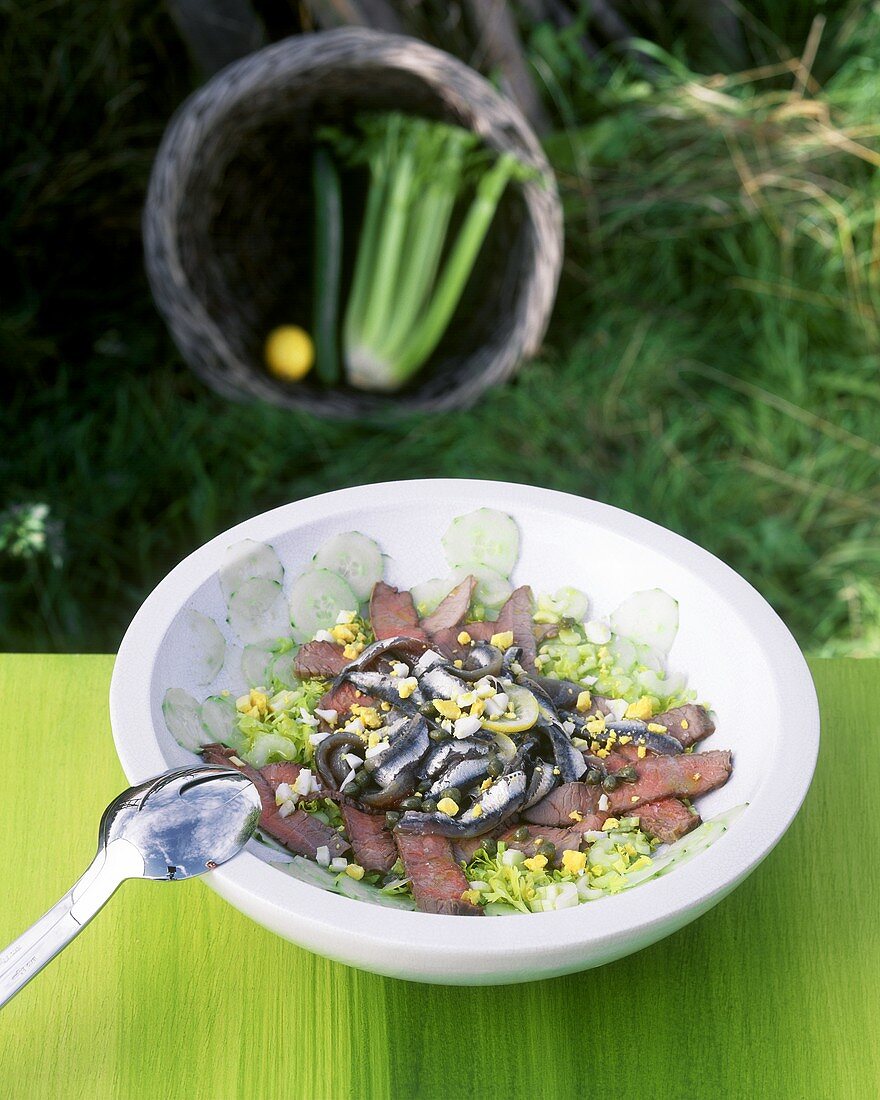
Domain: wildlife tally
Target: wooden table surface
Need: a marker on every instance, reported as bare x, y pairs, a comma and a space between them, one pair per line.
172, 993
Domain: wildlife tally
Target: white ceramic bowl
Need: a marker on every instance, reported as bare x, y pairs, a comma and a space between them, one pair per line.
736, 652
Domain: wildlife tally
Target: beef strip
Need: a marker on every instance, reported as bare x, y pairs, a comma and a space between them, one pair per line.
451, 611
558, 806
392, 612
688, 724
684, 776
299, 832
321, 659
371, 842
667, 820
437, 880
516, 616
342, 698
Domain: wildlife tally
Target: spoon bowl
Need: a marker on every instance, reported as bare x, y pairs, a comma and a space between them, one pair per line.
184, 823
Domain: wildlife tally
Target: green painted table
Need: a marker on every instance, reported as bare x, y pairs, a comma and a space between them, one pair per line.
172, 993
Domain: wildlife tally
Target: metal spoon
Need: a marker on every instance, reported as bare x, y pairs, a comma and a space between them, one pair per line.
175, 826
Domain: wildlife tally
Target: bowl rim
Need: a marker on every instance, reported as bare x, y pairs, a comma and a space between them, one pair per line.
304, 912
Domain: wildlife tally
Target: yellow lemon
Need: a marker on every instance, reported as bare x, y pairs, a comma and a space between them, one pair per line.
289, 352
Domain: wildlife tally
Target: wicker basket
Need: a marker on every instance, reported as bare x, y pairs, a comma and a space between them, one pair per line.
228, 224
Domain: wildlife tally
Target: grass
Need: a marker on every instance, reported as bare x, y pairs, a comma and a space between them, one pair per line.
711, 363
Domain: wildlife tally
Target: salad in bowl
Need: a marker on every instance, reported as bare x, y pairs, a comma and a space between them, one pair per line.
463, 747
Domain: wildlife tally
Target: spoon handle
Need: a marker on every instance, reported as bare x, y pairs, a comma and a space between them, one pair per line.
25, 957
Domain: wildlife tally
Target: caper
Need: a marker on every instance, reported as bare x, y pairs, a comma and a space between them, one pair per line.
489, 846
522, 833
609, 783
438, 735
546, 848
411, 804
452, 792
392, 818
361, 780
495, 767
425, 785
627, 774
429, 805
593, 776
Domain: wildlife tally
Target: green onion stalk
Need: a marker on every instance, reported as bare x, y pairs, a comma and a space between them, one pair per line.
408, 277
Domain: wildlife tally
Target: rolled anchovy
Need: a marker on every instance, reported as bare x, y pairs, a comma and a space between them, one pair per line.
383, 687
567, 758
512, 656
461, 774
663, 744
562, 693
408, 748
482, 660
328, 755
449, 752
427, 660
542, 783
440, 682
402, 786
502, 799
376, 649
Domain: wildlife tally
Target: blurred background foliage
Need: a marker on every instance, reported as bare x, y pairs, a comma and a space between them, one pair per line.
712, 361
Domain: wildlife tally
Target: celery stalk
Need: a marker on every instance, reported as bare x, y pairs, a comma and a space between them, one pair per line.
456, 272
404, 292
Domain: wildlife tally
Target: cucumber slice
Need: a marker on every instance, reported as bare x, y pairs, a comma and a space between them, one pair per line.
649, 617
428, 595
500, 909
355, 558
366, 891
307, 871
316, 599
217, 715
486, 536
257, 612
270, 744
492, 588
567, 603
281, 670
256, 664
245, 560
182, 717
203, 644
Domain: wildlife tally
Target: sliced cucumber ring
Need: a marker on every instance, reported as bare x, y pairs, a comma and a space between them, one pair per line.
256, 663
567, 603
182, 717
355, 558
282, 670
245, 560
486, 536
316, 599
203, 644
257, 612
649, 617
217, 715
